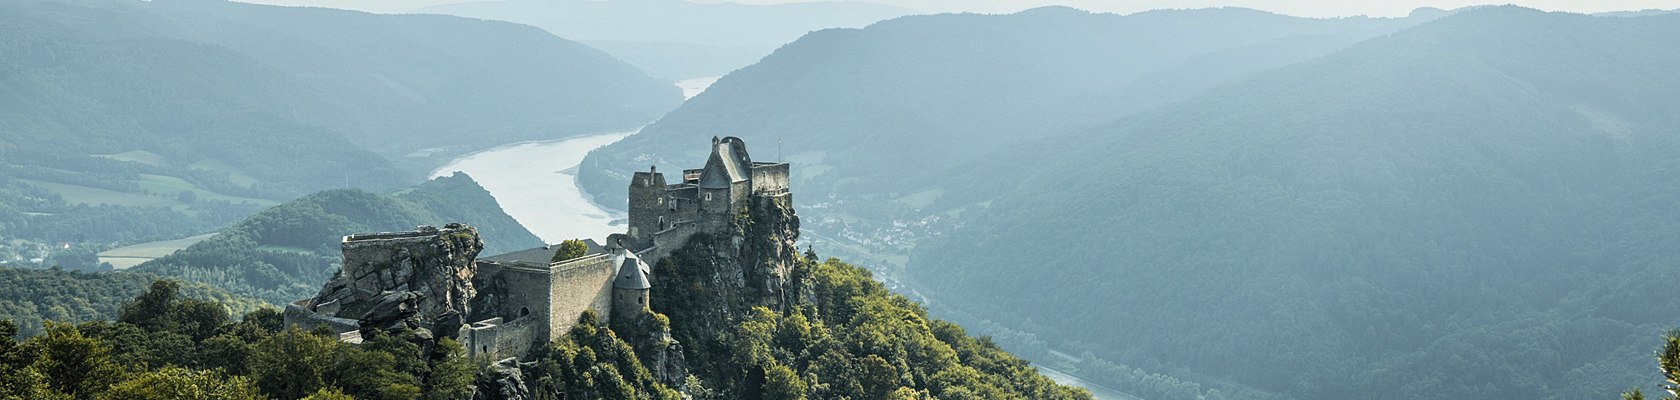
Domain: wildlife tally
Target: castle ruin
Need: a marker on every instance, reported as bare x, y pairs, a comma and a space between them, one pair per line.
504, 305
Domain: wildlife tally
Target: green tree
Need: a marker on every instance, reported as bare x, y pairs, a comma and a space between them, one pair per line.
171, 383
17, 379
290, 364
782, 383
375, 371
452, 376
569, 249
162, 309
72, 363
329, 393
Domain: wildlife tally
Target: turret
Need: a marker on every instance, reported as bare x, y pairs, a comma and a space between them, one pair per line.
630, 288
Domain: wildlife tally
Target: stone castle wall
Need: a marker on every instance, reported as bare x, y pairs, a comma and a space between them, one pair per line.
769, 178
498, 339
577, 285
669, 240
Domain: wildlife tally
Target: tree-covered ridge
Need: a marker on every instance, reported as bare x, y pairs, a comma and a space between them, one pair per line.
1477, 207
164, 346
31, 297
295, 96
849, 338
284, 253
126, 122
846, 336
881, 109
592, 362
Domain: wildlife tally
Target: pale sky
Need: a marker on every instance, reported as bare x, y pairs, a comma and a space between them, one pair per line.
1304, 8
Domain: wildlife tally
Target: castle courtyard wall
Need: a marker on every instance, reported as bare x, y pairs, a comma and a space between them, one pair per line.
577, 285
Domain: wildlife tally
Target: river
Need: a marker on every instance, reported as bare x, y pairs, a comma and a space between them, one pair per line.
536, 183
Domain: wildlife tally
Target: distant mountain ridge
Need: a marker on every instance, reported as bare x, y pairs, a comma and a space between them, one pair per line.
245, 87
677, 39
1471, 208
125, 121
876, 117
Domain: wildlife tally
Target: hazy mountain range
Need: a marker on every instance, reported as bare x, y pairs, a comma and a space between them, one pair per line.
678, 39
1469, 207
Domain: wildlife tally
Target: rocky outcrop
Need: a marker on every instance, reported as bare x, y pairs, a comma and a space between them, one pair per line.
502, 381
407, 280
707, 286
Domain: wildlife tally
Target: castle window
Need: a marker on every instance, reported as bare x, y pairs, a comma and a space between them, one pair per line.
524, 311
708, 197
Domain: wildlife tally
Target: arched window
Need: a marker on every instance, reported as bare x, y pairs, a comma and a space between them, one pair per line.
524, 311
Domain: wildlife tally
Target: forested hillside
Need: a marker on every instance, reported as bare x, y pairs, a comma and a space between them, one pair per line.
29, 298
851, 339
124, 122
241, 89
1479, 207
874, 116
284, 253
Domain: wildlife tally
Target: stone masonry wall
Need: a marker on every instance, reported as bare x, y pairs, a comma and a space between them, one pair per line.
578, 285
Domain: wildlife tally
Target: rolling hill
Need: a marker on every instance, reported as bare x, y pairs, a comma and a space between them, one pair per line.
285, 252
1476, 207
131, 121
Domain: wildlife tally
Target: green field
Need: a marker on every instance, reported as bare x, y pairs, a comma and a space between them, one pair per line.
91, 195
138, 156
125, 257
173, 185
165, 193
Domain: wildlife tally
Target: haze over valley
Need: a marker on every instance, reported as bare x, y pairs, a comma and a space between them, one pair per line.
673, 199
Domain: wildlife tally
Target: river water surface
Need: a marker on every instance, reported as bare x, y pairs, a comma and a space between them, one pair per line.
536, 183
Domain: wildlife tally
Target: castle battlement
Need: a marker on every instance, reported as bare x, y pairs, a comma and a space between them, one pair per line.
707, 199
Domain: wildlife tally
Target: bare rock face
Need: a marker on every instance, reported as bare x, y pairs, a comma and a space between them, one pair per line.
419, 279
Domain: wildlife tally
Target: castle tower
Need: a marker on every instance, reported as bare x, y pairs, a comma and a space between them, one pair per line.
724, 183
647, 206
630, 289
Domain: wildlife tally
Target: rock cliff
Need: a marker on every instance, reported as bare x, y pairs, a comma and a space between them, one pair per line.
409, 280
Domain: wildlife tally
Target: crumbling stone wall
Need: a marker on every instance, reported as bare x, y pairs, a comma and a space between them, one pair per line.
420, 279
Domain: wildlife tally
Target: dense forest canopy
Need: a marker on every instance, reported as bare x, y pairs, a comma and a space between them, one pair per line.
852, 340
30, 297
1477, 207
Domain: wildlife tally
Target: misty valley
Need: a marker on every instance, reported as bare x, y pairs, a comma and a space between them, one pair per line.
886, 199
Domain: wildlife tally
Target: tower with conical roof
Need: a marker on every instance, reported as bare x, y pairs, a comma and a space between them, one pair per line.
630, 287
